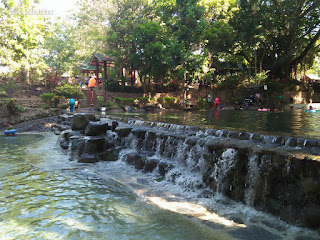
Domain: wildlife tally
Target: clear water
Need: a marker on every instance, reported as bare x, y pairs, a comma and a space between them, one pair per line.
288, 123
46, 196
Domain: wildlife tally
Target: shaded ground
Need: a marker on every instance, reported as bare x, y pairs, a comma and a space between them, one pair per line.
37, 125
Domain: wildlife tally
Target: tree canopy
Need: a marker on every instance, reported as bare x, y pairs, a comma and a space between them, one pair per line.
164, 39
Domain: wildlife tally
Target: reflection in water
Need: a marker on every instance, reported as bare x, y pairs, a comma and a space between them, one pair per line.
297, 123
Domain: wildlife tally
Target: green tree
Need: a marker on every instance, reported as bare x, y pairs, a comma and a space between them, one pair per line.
122, 18
22, 38
280, 34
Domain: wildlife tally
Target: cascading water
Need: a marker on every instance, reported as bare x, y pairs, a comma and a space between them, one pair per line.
207, 165
253, 173
222, 168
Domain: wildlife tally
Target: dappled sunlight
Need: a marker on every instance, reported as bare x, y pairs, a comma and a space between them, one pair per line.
13, 226
194, 210
74, 224
16, 230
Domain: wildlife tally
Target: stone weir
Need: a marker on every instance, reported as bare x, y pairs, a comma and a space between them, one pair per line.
278, 175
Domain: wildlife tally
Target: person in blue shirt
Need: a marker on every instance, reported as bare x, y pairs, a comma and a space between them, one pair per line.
71, 103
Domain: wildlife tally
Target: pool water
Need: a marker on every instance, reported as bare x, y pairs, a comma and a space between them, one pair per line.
286, 123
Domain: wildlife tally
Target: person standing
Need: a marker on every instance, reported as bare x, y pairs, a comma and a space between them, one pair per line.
71, 104
92, 82
76, 105
216, 102
86, 81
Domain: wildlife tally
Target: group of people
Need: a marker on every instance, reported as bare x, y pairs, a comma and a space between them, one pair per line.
215, 102
90, 81
74, 105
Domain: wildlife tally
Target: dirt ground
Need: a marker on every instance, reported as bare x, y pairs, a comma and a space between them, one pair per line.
36, 125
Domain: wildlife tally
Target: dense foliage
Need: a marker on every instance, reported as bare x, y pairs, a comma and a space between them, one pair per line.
69, 91
165, 41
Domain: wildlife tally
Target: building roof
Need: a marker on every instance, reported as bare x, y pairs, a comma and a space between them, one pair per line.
91, 65
84, 66
87, 67
101, 58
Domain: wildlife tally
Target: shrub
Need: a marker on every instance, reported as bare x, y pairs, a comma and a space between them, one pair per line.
13, 107
51, 99
64, 106
153, 99
46, 106
101, 101
68, 91
46, 97
203, 103
231, 82
113, 86
262, 77
3, 94
161, 100
118, 100
170, 100
55, 100
110, 105
143, 100
128, 101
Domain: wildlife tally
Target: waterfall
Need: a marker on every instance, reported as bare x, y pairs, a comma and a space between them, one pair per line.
252, 176
224, 165
271, 173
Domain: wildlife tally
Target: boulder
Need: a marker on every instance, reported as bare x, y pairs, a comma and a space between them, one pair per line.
192, 141
109, 155
310, 185
56, 132
164, 168
114, 125
64, 118
62, 127
77, 144
139, 162
312, 216
73, 134
81, 120
95, 145
63, 143
151, 164
139, 132
64, 134
123, 131
96, 128
87, 158
131, 157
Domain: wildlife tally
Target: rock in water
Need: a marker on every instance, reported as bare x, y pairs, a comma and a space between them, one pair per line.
81, 120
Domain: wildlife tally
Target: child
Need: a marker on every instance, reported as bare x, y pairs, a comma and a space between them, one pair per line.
76, 104
10, 126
